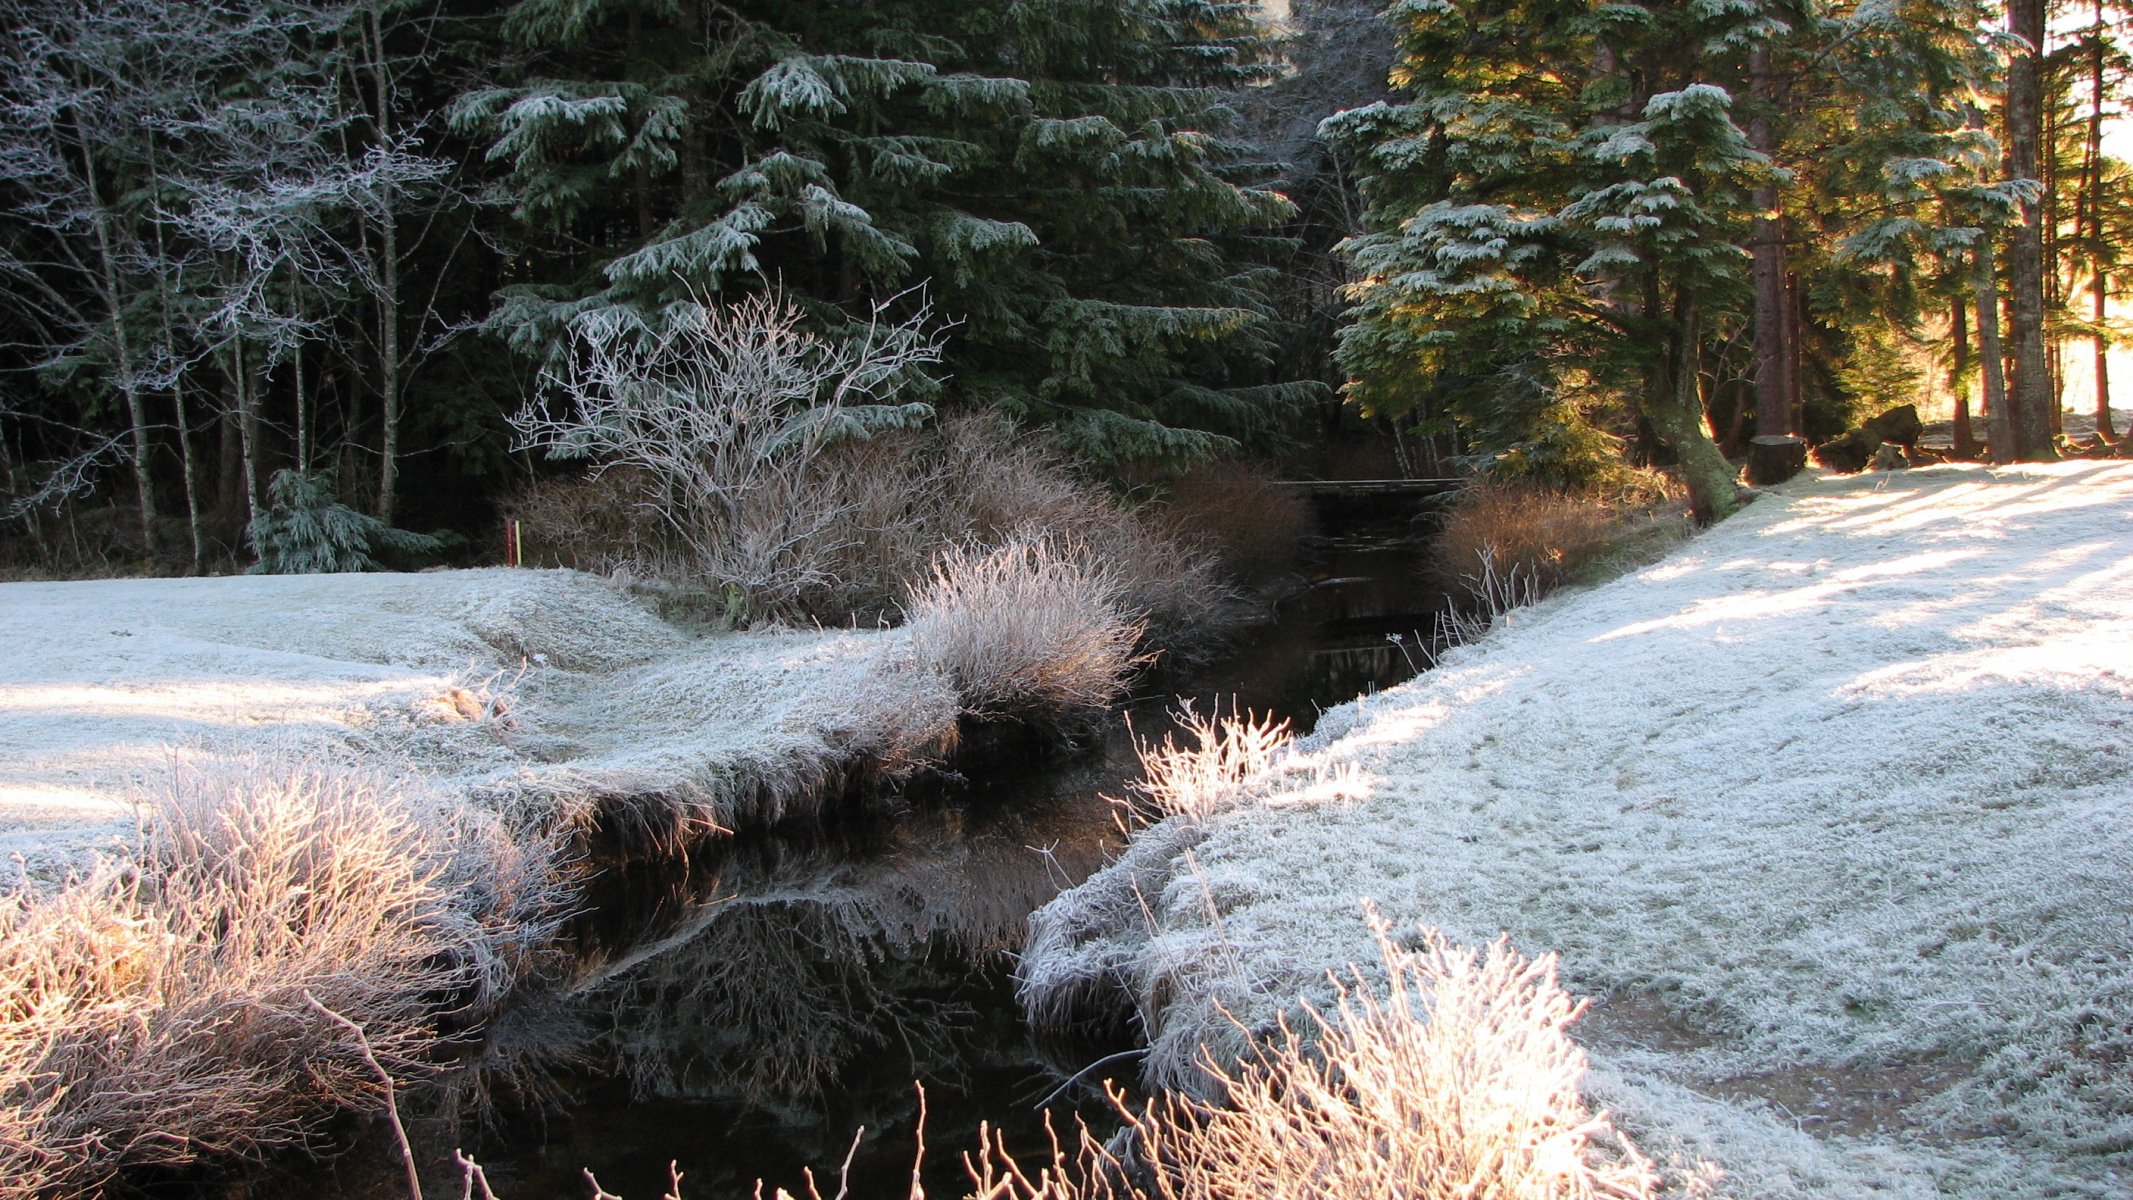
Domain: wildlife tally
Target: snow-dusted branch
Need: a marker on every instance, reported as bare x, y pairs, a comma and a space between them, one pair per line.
725, 408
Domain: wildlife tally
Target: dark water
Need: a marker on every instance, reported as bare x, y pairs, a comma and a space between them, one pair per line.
745, 1018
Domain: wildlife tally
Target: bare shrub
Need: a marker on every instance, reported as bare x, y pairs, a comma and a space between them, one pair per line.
193, 1000
726, 410
1196, 779
1538, 534
1254, 525
1024, 629
605, 523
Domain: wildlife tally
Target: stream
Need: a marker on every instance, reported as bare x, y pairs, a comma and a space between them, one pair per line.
745, 1016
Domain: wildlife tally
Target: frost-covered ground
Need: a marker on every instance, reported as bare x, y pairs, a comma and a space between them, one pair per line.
538, 692
1830, 811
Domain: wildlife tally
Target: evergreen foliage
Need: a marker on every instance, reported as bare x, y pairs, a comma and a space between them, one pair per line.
1059, 172
1561, 210
304, 531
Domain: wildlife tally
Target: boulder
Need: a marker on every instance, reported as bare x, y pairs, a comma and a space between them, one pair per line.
1856, 449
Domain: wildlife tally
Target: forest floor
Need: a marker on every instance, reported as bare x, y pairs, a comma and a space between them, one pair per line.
1830, 811
540, 693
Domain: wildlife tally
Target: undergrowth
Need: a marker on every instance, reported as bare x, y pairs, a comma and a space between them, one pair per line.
193, 1000
1504, 545
863, 520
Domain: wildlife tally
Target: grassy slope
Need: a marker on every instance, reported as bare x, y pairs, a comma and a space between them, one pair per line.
1828, 808
524, 688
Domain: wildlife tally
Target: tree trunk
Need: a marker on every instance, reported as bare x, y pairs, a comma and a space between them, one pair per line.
2105, 429
389, 365
1676, 415
1959, 378
2031, 419
1773, 354
122, 343
242, 372
192, 483
1991, 358
2093, 203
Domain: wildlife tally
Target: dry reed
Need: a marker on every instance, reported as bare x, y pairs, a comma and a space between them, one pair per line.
1024, 630
1544, 536
192, 1001
1453, 1079
1211, 769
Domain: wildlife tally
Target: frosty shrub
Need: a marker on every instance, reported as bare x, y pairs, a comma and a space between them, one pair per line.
305, 531
1453, 1078
187, 1002
727, 411
1024, 629
1220, 756
881, 507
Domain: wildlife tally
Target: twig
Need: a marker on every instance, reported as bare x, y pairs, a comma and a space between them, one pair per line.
392, 1103
1077, 1076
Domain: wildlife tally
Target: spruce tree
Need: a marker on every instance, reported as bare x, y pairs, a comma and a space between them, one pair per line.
1056, 175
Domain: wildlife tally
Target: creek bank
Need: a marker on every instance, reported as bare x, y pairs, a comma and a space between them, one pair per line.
1827, 808
549, 697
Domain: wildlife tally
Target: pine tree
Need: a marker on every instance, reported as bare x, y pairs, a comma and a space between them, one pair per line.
1566, 213
1555, 215
1057, 175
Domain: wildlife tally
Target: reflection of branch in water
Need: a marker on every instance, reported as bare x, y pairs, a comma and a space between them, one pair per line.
773, 999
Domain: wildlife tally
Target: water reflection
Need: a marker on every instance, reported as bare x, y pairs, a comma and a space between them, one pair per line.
746, 1014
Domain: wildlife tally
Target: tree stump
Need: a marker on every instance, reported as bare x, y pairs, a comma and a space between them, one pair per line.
1774, 459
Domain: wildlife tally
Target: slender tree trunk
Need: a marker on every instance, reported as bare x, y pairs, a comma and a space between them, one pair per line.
1959, 378
122, 343
186, 458
242, 372
1999, 435
2031, 419
1773, 356
304, 432
389, 365
191, 469
2105, 427
2093, 203
1796, 358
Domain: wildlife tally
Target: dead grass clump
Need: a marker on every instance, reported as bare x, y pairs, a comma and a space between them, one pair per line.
1024, 630
195, 999
1539, 534
1454, 1080
1254, 525
1196, 779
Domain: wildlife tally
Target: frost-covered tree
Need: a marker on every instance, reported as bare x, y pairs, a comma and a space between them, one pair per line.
1590, 206
1059, 172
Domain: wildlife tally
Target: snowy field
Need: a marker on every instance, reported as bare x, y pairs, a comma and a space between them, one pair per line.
1830, 812
540, 693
